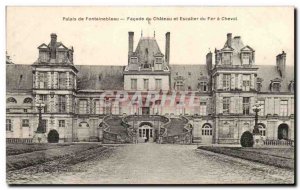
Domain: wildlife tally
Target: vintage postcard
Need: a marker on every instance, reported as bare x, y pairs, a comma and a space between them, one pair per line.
150, 95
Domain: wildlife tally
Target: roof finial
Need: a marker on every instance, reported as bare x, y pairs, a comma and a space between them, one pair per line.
154, 33
142, 33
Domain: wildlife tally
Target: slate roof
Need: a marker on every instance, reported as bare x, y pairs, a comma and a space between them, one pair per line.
269, 72
18, 78
190, 74
99, 77
146, 49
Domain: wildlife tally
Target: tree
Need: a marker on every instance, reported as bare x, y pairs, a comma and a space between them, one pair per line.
247, 139
53, 136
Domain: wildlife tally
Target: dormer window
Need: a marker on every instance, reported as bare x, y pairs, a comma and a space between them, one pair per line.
133, 60
275, 85
203, 86
245, 58
158, 59
179, 85
44, 56
226, 58
259, 84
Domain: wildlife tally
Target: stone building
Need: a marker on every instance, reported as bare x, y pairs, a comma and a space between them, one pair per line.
149, 99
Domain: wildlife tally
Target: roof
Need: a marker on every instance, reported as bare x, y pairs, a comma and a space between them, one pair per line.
99, 77
269, 72
18, 77
190, 74
146, 49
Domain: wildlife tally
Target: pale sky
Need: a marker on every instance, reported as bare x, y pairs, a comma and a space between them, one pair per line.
267, 30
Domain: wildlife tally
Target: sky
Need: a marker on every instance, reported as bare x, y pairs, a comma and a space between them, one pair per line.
268, 30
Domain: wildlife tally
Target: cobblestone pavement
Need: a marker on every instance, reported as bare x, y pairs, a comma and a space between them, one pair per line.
154, 163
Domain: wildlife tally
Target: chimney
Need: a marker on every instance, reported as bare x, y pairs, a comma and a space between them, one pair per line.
167, 53
52, 45
209, 62
130, 44
280, 63
229, 39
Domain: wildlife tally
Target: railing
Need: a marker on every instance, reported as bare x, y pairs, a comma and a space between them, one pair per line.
228, 141
268, 142
18, 140
184, 138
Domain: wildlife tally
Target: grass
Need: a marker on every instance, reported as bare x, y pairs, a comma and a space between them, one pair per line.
36, 154
279, 157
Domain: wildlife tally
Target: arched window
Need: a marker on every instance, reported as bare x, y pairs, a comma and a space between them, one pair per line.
27, 101
8, 125
262, 129
11, 100
206, 129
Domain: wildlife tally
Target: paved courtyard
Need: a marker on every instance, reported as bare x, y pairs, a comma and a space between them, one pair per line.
154, 163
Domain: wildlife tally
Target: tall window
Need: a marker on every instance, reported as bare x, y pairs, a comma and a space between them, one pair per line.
226, 104
202, 108
226, 82
61, 123
226, 58
44, 56
146, 84
8, 125
179, 85
43, 99
179, 108
246, 58
133, 84
43, 80
246, 105
115, 108
61, 103
158, 84
25, 122
97, 107
206, 130
82, 106
276, 87
283, 108
203, 86
246, 83
62, 80
262, 105
158, 66
262, 130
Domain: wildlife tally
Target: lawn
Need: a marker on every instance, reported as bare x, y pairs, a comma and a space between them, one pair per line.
24, 155
279, 157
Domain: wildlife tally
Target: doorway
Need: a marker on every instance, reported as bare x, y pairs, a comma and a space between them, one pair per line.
283, 131
145, 134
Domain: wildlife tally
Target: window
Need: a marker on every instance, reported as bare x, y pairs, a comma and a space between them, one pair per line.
202, 108
283, 108
62, 80
158, 59
246, 105
226, 82
146, 84
25, 122
61, 123
246, 83
179, 108
61, 103
276, 87
140, 133
203, 86
43, 99
27, 101
8, 125
226, 104
133, 84
179, 85
44, 56
115, 108
158, 66
133, 60
206, 130
43, 80
82, 106
11, 100
25, 110
226, 58
262, 105
245, 58
97, 107
262, 130
158, 84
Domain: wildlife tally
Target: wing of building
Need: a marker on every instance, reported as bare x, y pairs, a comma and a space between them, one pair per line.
150, 99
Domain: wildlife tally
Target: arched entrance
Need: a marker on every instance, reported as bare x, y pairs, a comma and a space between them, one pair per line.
283, 131
206, 133
53, 136
145, 132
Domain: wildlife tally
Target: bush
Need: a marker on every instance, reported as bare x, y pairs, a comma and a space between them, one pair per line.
247, 139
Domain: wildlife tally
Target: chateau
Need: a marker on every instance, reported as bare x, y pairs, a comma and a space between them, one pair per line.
150, 99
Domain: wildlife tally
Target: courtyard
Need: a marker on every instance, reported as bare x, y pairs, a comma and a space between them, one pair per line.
149, 163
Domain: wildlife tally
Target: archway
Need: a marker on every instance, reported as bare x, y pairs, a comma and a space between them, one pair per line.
283, 131
207, 133
53, 136
146, 132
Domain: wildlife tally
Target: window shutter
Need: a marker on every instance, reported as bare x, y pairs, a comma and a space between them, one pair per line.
240, 104
232, 105
232, 81
277, 104
239, 86
252, 102
220, 81
252, 81
220, 109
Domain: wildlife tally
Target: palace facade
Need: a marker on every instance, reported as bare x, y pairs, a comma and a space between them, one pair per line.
150, 99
